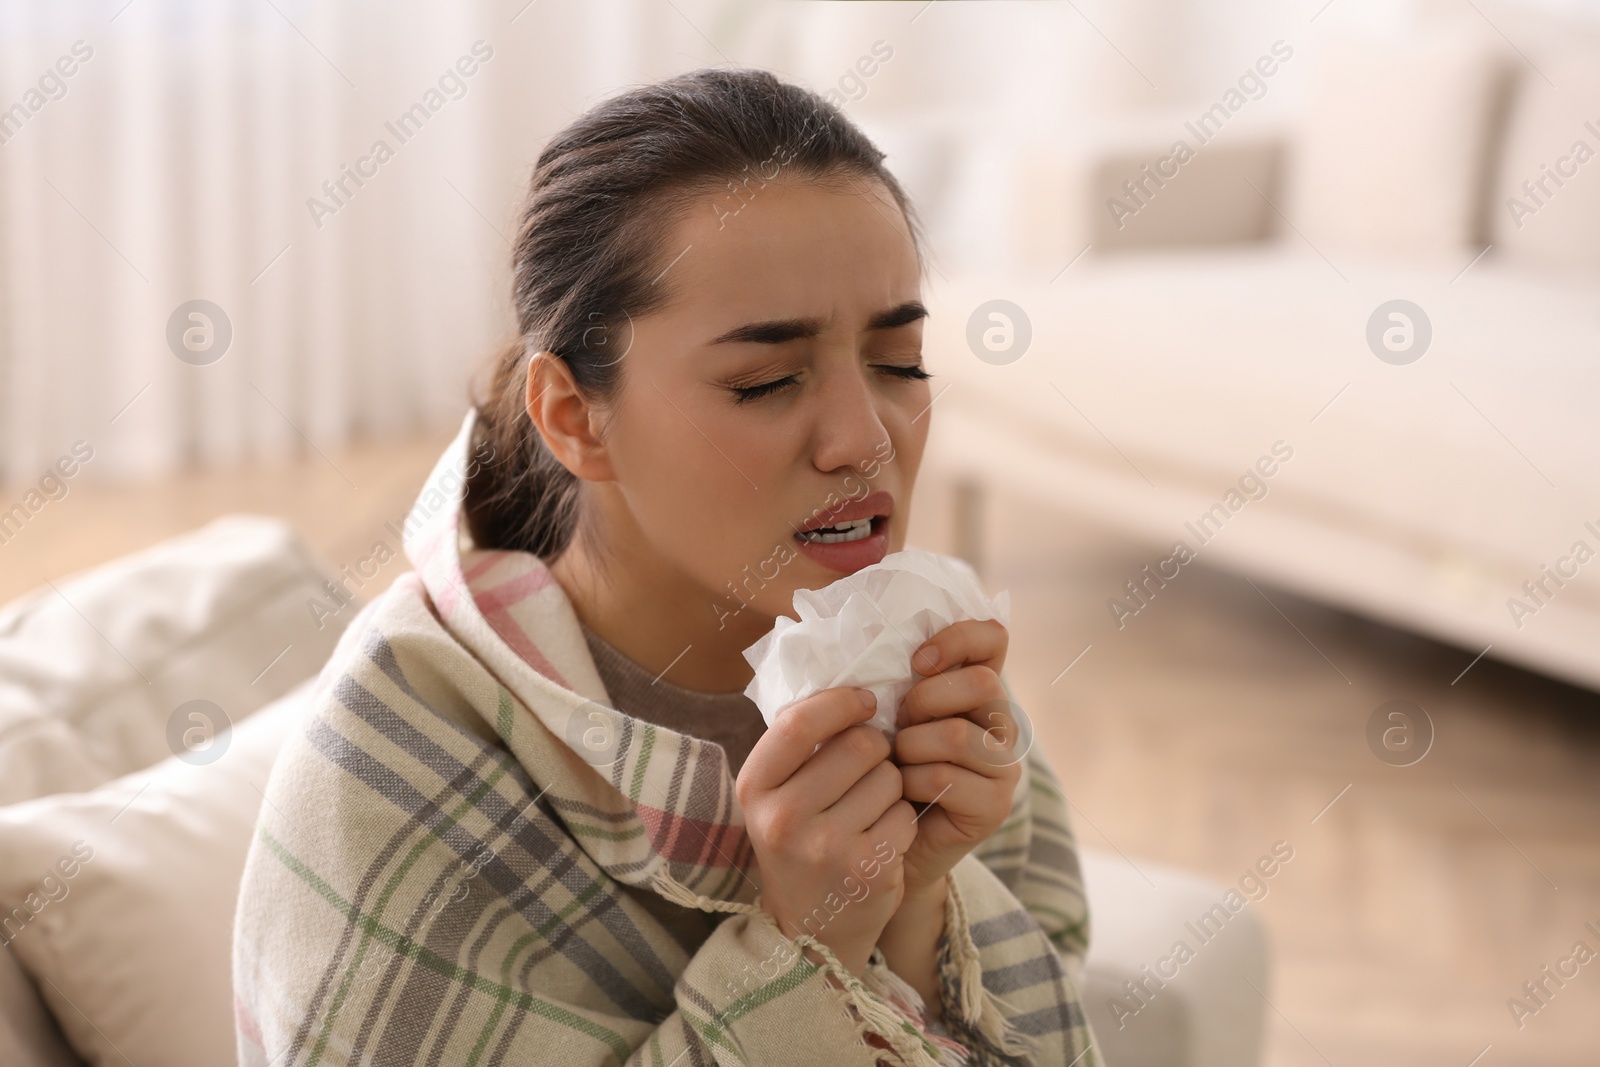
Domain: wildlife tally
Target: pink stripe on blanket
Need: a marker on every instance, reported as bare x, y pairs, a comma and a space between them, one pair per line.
487, 560
510, 594
422, 547
684, 840
498, 603
511, 632
246, 1023
444, 591
441, 570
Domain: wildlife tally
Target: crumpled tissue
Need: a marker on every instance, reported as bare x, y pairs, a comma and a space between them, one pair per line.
861, 630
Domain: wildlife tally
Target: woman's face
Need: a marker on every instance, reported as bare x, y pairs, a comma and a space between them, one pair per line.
779, 391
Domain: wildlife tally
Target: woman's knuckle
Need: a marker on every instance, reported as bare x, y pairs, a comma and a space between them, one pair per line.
861, 743
905, 826
781, 822
986, 680
781, 734
869, 738
955, 732
815, 848
1000, 736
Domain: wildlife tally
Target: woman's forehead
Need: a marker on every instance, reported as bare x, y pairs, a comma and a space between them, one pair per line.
793, 247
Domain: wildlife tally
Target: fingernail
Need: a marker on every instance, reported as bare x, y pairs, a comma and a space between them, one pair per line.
929, 657
869, 699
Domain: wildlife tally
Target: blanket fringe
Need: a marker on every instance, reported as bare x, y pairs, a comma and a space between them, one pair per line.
882, 980
675, 891
890, 986
909, 1044
975, 1004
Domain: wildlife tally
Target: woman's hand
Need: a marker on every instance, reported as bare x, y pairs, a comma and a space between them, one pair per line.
828, 824
956, 748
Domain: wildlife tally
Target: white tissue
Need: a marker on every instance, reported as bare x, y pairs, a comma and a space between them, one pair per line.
861, 630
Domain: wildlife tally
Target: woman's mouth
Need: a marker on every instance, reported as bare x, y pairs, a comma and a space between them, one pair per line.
850, 537
839, 532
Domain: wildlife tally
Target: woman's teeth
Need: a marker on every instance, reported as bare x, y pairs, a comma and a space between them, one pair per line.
844, 531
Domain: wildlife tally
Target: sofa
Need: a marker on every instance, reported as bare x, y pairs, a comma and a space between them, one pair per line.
1395, 283
141, 706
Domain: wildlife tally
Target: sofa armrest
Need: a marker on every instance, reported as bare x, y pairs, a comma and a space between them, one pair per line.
1185, 1009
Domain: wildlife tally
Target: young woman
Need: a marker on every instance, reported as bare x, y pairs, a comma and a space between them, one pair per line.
532, 817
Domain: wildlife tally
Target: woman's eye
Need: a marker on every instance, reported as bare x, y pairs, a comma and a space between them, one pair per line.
914, 373
745, 393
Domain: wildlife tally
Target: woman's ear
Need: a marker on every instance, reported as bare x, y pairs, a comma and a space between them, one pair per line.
566, 420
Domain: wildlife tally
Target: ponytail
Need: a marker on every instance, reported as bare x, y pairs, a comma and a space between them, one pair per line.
525, 499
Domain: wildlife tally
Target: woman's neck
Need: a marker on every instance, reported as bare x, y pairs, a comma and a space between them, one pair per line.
657, 616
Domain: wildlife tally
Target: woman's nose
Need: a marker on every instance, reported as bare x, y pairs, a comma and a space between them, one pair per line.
849, 431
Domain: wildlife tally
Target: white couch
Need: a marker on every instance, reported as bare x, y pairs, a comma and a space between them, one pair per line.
120, 896
1231, 311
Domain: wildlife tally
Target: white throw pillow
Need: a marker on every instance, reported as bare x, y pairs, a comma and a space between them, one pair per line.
1389, 157
1546, 211
93, 671
119, 902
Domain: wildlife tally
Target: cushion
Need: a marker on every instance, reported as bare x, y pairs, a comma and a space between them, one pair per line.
1209, 202
1546, 209
119, 902
29, 1036
1391, 154
94, 671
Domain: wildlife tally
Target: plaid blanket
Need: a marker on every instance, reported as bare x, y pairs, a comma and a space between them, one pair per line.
466, 857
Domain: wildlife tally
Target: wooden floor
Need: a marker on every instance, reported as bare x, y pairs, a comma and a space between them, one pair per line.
338, 504
1221, 719
1225, 717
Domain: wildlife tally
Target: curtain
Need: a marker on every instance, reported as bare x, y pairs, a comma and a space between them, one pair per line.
203, 152
159, 153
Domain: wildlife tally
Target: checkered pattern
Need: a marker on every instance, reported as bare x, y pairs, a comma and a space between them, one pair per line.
438, 877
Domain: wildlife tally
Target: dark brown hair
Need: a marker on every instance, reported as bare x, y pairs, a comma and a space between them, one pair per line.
604, 194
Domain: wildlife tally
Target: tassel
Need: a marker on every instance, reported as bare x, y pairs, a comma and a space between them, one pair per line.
910, 1045
890, 986
975, 1005
675, 891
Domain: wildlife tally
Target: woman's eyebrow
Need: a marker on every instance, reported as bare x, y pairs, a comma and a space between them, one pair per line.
777, 331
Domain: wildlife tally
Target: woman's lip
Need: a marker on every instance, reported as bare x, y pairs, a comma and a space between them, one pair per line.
847, 557
874, 504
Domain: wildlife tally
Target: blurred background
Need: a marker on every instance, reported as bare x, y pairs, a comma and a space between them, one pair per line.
1265, 339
